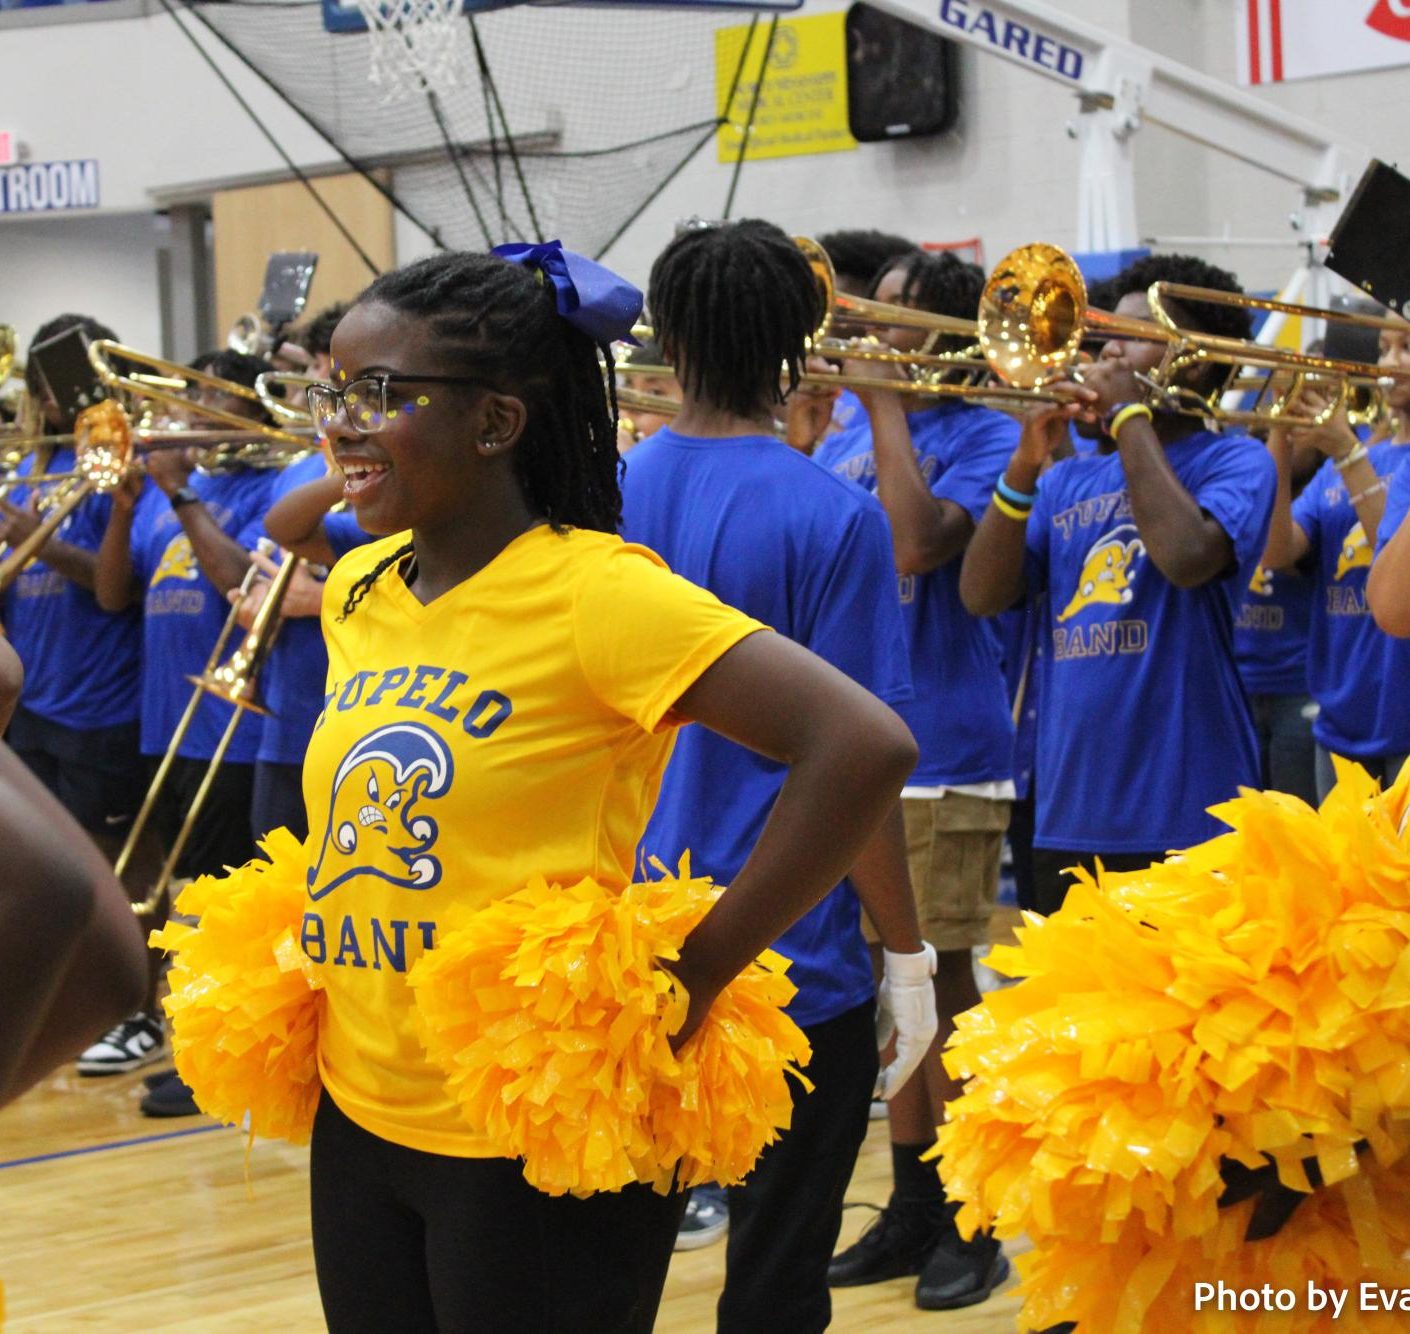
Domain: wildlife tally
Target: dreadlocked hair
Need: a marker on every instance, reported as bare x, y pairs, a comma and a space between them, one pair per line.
1230, 321
863, 255
940, 282
731, 305
501, 320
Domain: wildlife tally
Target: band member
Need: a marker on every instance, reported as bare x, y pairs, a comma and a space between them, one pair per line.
532, 668
1354, 669
1388, 585
1144, 552
76, 724
859, 257
731, 508
181, 548
1271, 633
933, 464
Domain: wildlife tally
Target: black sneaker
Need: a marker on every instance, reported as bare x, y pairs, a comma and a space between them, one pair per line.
706, 1218
961, 1273
130, 1045
896, 1244
170, 1097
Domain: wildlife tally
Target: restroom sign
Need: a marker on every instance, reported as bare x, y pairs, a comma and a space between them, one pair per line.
49, 187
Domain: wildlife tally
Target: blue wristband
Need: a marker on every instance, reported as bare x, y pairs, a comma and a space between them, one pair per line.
1016, 497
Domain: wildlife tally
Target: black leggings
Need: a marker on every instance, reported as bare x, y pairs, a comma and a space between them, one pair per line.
408, 1242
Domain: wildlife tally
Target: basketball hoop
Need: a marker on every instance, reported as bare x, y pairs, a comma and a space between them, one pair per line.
416, 45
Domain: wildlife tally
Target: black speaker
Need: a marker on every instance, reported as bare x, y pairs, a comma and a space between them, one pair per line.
902, 80
1370, 245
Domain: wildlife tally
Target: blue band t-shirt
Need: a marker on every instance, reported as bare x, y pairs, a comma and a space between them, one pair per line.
959, 714
1355, 671
82, 665
184, 612
1270, 632
291, 684
771, 533
1397, 506
1144, 722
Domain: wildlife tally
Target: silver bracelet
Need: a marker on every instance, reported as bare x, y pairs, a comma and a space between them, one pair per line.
1354, 455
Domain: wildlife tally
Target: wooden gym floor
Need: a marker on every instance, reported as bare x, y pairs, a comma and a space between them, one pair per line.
113, 1222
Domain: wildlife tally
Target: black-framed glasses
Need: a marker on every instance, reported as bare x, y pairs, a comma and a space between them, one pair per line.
369, 405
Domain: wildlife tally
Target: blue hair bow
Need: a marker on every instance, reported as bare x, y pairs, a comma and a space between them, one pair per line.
594, 300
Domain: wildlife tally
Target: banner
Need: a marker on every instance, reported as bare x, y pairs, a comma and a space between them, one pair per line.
802, 105
1304, 39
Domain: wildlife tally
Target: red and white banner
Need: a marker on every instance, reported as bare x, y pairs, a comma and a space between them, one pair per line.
1303, 39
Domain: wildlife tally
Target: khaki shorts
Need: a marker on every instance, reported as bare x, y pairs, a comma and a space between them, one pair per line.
953, 845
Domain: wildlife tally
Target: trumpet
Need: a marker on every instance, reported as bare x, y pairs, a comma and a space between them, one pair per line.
1034, 317
234, 681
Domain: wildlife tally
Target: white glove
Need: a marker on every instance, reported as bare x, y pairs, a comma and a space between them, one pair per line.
905, 1006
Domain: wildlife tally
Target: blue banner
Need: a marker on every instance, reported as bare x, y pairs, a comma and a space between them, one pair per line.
49, 187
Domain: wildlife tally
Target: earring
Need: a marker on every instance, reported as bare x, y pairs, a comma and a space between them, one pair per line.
490, 443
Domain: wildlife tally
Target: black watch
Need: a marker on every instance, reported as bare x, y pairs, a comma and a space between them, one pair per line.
183, 495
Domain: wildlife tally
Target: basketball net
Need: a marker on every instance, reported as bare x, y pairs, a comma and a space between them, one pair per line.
417, 45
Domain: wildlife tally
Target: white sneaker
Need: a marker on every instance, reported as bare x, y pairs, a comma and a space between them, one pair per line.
130, 1045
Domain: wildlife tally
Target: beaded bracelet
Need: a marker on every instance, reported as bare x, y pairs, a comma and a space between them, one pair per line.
1370, 491
1353, 455
1014, 512
1124, 413
1020, 498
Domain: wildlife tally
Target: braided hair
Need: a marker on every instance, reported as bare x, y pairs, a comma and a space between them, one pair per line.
940, 282
503, 319
731, 305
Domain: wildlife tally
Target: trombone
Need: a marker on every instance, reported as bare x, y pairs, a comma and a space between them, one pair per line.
234, 682
959, 374
283, 409
103, 455
1034, 317
246, 441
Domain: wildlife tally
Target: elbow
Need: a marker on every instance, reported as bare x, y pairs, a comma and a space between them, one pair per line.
1391, 614
889, 754
980, 597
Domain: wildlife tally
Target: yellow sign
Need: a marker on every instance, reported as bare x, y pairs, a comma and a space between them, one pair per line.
802, 106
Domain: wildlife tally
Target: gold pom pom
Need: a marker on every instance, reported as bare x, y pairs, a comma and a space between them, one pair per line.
244, 1004
1246, 1002
551, 1014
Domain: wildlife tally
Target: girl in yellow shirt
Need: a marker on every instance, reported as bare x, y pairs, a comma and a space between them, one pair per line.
505, 677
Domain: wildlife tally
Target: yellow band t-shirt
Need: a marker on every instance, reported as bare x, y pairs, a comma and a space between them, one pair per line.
517, 725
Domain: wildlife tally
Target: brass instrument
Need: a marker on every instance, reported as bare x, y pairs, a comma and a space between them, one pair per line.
234, 682
9, 346
958, 374
1034, 317
291, 411
246, 443
103, 455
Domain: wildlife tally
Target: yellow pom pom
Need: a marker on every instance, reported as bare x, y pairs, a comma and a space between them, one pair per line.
244, 1006
551, 1015
1245, 1002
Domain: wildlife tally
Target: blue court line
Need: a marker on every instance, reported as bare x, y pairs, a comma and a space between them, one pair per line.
116, 1144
